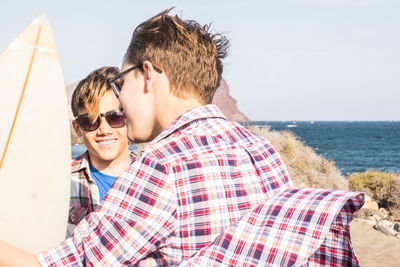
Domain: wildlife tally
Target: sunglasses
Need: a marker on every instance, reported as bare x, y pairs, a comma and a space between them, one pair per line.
115, 119
116, 88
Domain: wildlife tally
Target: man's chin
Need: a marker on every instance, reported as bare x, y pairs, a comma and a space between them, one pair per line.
143, 137
136, 140
140, 139
108, 158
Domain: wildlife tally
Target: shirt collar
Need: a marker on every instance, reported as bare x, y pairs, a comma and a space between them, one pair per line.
202, 112
81, 162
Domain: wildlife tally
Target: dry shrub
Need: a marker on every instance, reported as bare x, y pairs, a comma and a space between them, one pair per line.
383, 187
306, 168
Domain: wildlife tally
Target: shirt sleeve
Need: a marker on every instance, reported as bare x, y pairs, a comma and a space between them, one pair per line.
136, 216
297, 227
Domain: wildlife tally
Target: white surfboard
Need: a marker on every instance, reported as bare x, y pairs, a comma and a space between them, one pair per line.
35, 146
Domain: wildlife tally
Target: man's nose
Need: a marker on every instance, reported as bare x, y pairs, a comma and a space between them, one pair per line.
104, 127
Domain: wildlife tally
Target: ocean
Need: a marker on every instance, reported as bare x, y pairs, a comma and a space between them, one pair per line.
355, 146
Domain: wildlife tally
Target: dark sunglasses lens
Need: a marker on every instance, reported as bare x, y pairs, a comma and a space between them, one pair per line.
115, 119
86, 124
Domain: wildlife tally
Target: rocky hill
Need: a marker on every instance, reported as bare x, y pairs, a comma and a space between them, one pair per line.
227, 103
70, 89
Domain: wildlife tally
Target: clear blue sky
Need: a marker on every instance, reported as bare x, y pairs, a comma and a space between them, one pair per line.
289, 60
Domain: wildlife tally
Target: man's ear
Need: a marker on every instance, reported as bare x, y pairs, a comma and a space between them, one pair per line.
77, 129
148, 69
148, 75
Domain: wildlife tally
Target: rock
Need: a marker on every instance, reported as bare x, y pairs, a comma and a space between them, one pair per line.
372, 205
395, 214
227, 103
369, 203
377, 217
70, 89
383, 211
386, 227
389, 218
396, 227
371, 214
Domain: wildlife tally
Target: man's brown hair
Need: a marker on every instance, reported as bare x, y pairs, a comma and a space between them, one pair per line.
90, 90
187, 52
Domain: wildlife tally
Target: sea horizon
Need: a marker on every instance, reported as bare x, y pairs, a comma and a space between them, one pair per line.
354, 146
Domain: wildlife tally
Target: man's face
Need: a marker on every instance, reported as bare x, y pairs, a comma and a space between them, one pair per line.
137, 102
106, 144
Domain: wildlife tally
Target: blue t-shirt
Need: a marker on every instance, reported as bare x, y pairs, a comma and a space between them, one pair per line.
103, 181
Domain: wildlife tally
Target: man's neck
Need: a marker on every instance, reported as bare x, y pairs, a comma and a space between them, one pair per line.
174, 108
113, 167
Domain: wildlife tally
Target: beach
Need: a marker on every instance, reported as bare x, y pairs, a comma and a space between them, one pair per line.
373, 248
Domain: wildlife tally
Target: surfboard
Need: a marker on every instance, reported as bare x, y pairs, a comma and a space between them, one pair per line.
35, 146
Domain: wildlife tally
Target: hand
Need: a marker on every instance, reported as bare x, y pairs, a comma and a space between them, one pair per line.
11, 256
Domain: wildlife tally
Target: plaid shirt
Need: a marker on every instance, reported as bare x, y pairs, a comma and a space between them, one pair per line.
298, 227
84, 197
196, 179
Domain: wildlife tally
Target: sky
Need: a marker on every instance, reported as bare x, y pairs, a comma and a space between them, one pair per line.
289, 60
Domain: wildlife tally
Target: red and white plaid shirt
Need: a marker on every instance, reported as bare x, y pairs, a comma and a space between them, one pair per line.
297, 227
85, 195
181, 193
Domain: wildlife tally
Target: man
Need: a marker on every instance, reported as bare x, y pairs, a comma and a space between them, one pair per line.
102, 128
200, 173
